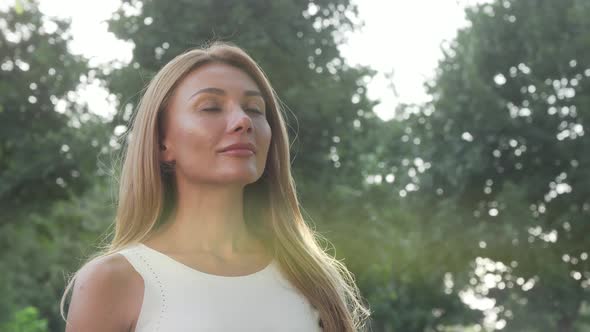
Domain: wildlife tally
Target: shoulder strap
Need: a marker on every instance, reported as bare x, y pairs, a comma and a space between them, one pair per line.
139, 261
154, 298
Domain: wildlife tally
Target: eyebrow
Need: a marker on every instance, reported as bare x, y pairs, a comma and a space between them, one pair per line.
221, 92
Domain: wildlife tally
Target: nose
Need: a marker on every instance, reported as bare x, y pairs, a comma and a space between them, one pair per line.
240, 120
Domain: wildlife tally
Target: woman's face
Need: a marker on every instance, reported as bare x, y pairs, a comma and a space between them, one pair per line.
213, 107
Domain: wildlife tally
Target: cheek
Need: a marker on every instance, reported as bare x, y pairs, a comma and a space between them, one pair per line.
193, 135
263, 140
264, 134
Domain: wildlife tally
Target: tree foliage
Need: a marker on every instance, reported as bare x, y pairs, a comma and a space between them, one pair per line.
42, 151
505, 134
49, 145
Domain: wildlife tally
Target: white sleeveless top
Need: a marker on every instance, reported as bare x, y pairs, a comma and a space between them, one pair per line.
179, 298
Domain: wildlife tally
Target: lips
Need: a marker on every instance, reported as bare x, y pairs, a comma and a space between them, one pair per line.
239, 146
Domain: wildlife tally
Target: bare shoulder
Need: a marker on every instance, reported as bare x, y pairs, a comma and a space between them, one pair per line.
107, 296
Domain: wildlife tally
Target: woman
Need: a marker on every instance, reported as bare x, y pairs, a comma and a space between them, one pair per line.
208, 231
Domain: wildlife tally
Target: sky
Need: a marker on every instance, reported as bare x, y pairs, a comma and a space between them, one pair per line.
401, 38
404, 39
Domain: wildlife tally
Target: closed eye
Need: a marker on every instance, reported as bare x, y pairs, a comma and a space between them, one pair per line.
255, 110
215, 109
210, 109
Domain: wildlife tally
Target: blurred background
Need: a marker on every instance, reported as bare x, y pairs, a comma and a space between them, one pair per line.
439, 145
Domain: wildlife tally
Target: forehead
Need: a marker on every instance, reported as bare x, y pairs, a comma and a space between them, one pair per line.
217, 75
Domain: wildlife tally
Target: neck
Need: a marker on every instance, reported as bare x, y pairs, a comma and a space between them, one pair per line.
208, 219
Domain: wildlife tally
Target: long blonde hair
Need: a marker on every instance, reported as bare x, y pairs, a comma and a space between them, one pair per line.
271, 207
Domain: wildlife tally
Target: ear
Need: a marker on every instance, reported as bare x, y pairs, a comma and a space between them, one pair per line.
166, 154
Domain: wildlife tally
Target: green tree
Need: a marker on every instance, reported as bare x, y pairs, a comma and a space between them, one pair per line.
408, 248
49, 144
42, 254
43, 152
505, 135
25, 320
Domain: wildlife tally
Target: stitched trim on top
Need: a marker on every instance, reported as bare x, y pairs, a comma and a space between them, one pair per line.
163, 305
